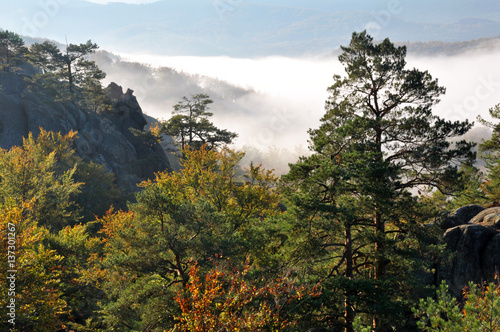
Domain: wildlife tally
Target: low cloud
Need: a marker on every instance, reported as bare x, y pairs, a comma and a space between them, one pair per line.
284, 97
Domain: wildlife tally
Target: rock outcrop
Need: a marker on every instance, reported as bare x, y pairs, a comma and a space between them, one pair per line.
476, 248
102, 138
460, 216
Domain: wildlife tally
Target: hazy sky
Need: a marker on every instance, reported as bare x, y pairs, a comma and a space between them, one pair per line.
136, 2
290, 91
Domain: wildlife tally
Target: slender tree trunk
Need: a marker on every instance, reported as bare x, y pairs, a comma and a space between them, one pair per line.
70, 77
190, 126
180, 271
381, 262
381, 266
348, 309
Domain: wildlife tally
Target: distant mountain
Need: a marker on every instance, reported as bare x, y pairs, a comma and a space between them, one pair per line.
161, 88
440, 48
454, 48
249, 28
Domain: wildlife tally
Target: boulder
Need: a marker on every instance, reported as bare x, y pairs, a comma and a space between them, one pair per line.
460, 216
468, 242
490, 259
489, 217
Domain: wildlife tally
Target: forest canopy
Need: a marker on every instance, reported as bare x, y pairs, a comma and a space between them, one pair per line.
346, 241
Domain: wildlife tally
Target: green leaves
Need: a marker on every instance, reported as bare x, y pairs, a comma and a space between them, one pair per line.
208, 209
73, 66
490, 151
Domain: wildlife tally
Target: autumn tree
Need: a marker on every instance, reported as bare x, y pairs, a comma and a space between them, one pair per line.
377, 141
98, 188
206, 209
12, 51
31, 174
46, 191
227, 300
64, 188
191, 127
74, 245
39, 305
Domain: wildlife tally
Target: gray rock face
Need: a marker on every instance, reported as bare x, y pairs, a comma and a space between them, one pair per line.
488, 217
468, 242
102, 138
490, 259
461, 216
476, 246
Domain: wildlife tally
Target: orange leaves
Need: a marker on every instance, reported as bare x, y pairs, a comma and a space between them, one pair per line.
225, 300
479, 312
482, 307
113, 222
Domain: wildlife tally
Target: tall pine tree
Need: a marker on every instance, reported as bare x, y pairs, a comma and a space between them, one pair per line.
378, 141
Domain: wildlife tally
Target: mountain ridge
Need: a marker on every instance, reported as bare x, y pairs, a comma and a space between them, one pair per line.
254, 28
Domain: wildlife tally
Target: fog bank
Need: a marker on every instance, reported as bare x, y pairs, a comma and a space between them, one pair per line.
285, 96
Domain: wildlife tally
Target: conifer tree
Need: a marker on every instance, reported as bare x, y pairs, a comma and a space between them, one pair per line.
70, 75
190, 124
196, 214
12, 51
377, 141
490, 151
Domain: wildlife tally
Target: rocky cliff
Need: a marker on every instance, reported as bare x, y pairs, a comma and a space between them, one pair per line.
472, 234
105, 138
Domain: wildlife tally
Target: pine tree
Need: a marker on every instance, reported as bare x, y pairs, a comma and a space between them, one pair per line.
378, 140
179, 217
12, 51
190, 124
490, 151
73, 66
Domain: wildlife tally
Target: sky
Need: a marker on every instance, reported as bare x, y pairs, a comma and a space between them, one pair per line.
290, 91
134, 2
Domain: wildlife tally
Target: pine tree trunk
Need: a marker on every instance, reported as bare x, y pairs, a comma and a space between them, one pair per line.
348, 310
381, 265
381, 262
70, 77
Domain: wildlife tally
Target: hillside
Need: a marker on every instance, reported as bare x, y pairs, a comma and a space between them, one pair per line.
102, 138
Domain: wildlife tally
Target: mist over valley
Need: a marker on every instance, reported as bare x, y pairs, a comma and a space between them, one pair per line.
271, 102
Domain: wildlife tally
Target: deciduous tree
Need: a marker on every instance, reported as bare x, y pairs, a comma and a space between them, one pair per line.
39, 305
227, 300
204, 210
